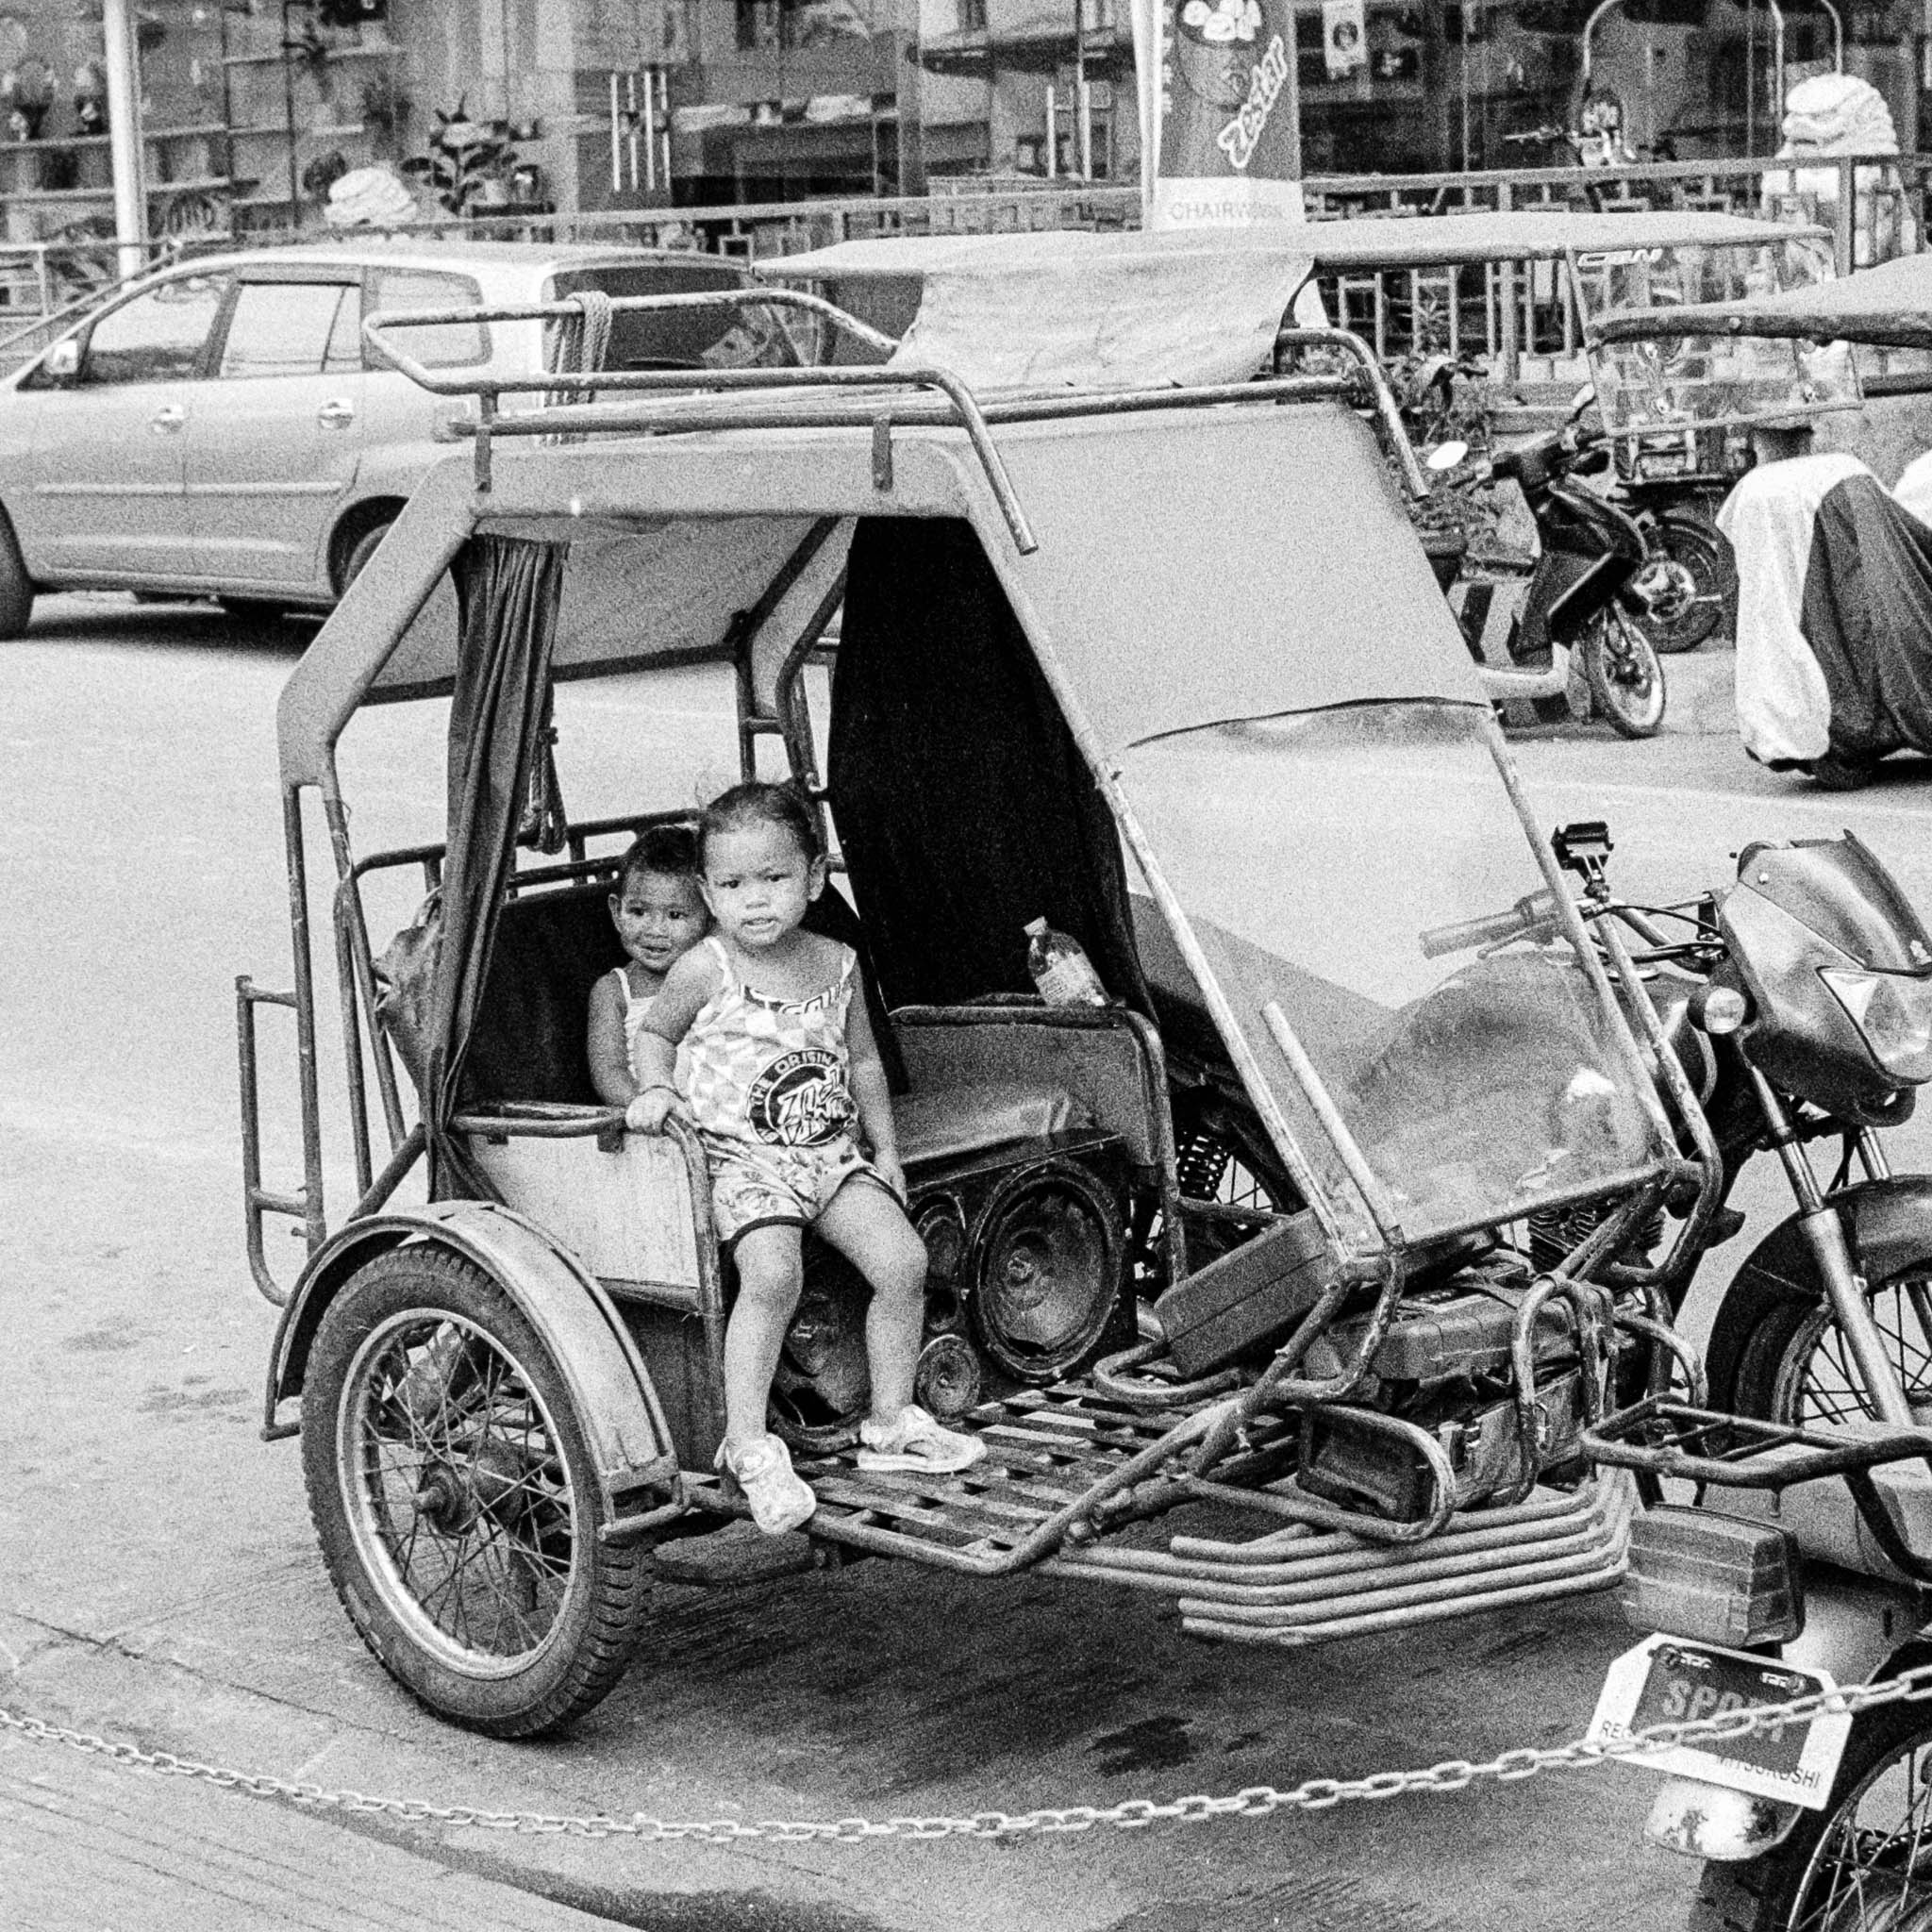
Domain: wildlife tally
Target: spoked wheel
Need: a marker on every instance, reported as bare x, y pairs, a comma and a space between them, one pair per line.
458, 1503
1795, 1366
1862, 1864
1690, 579
1626, 682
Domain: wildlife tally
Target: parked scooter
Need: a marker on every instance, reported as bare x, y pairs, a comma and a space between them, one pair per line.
1578, 595
1688, 584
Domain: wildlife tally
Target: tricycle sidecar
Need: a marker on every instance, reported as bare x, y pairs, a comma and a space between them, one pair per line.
1345, 1216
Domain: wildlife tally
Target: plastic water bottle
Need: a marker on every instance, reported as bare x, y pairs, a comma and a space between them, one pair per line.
1060, 970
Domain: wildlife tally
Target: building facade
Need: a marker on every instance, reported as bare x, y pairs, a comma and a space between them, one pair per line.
251, 109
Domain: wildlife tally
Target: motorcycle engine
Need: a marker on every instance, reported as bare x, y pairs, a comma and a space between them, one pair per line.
1443, 1366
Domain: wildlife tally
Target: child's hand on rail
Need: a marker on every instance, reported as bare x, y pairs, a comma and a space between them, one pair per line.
648, 1113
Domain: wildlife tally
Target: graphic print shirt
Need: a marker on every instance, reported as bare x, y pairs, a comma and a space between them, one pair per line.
769, 1071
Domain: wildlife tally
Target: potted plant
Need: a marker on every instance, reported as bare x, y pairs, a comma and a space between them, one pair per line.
467, 161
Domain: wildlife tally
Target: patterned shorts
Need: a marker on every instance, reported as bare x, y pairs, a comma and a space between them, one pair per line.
756, 1186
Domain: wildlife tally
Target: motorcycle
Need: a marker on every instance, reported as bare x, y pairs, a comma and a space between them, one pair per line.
1687, 587
1578, 596
1800, 1005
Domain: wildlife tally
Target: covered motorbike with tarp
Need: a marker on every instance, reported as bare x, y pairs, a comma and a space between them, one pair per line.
1835, 609
1283, 1285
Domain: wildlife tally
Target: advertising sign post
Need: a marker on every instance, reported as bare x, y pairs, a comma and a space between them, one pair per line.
1220, 123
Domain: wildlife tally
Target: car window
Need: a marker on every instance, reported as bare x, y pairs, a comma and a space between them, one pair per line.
282, 329
718, 338
158, 336
345, 342
444, 345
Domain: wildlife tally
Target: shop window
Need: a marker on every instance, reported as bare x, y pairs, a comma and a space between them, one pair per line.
972, 16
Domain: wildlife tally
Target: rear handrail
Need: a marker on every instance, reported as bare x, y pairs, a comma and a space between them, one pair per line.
258, 1202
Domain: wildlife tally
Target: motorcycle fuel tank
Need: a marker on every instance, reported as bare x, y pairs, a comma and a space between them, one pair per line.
1839, 968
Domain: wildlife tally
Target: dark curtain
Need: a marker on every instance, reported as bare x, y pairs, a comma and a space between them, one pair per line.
507, 591
1867, 618
964, 808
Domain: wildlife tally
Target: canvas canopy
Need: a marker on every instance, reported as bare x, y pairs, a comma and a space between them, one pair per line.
1075, 309
1487, 236
1890, 305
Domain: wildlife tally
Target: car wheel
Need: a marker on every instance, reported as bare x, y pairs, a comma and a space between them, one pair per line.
361, 550
16, 587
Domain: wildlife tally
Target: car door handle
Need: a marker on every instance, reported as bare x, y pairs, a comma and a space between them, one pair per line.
169, 417
336, 416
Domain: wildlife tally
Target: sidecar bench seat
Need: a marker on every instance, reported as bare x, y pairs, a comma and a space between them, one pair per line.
979, 1077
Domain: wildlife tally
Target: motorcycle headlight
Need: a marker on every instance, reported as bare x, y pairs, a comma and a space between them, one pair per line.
1893, 1012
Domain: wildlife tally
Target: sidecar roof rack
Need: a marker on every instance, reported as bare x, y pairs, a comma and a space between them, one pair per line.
838, 395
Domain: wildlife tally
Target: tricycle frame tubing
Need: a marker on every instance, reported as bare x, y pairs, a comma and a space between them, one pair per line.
308, 1206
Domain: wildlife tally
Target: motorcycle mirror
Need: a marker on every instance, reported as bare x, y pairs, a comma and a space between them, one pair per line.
1446, 456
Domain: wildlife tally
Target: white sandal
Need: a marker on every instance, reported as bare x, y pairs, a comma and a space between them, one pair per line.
780, 1498
916, 1441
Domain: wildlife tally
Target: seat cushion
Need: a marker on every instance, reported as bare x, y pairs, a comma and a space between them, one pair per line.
941, 1122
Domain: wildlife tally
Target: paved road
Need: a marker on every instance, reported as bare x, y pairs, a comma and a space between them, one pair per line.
161, 1580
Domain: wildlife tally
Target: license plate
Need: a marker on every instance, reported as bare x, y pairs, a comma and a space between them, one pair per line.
1669, 1680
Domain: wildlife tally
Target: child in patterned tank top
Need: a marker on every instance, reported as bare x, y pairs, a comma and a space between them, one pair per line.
782, 1077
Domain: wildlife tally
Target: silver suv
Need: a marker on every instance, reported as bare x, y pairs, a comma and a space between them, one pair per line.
217, 430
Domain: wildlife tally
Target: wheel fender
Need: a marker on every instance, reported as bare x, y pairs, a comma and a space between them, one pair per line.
1887, 1223
610, 1389
1914, 1654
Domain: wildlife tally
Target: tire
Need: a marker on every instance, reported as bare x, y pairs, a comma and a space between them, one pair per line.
458, 1503
16, 587
1626, 682
1782, 1359
360, 551
1693, 573
1851, 1846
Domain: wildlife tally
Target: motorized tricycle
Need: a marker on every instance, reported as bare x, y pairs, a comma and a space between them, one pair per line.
1284, 1286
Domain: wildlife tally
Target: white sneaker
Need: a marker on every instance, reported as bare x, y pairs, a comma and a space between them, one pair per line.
916, 1441
780, 1498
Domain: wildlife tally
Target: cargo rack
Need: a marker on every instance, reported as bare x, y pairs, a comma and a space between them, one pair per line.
824, 395
1662, 1437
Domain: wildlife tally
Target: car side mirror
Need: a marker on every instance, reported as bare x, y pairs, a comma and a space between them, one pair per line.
61, 363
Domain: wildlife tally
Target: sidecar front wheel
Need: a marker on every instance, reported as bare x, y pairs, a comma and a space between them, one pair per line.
456, 1503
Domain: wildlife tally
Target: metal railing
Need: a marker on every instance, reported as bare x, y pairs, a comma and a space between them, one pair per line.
1874, 205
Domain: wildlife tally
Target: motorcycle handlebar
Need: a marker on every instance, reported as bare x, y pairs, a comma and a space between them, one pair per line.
1529, 914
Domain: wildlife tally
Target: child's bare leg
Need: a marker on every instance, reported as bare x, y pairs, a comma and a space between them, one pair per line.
770, 1274
869, 1228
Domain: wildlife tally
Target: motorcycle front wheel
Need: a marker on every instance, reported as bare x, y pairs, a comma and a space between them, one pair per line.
1862, 1864
1626, 681
1794, 1365
1691, 579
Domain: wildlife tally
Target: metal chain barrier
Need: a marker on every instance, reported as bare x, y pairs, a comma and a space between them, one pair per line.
1257, 1801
